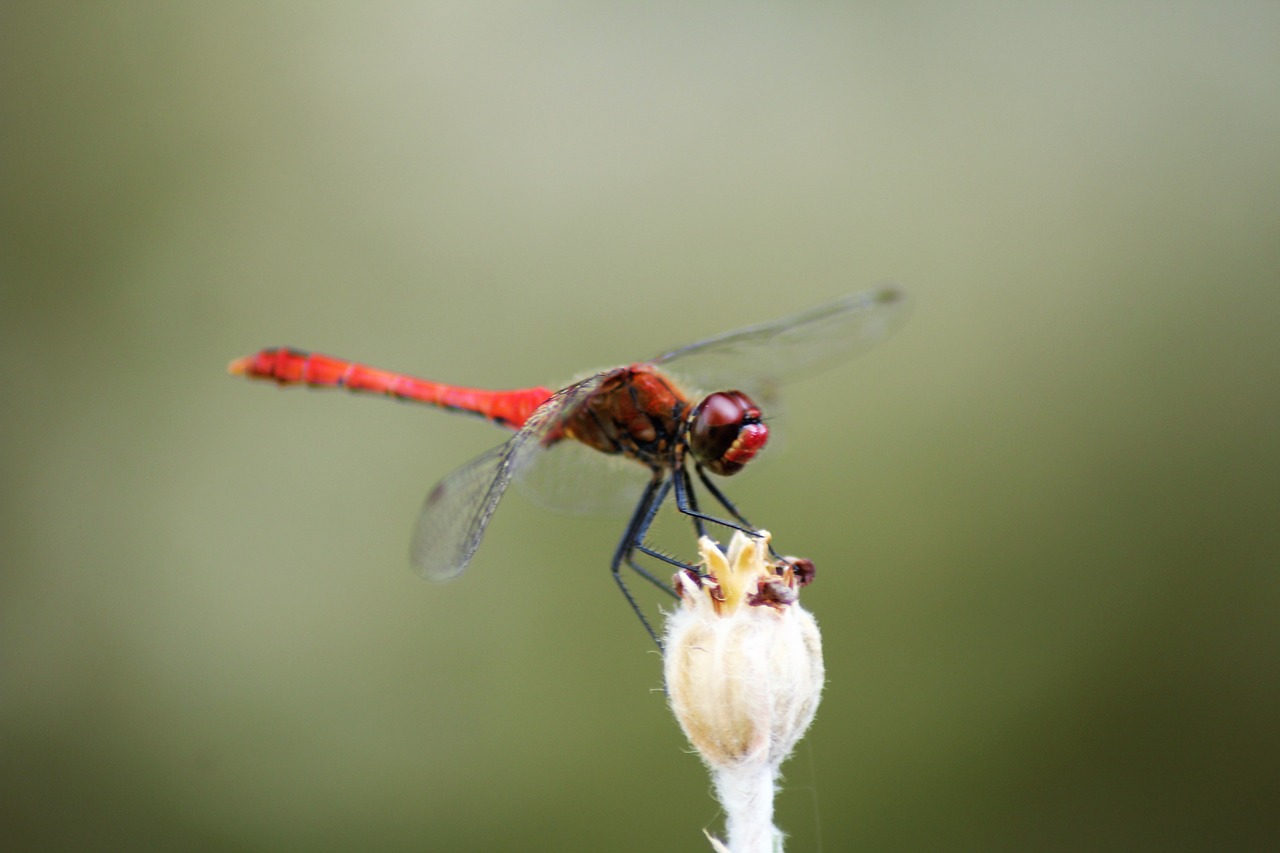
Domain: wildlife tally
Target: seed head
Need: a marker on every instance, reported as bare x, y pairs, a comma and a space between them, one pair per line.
743, 667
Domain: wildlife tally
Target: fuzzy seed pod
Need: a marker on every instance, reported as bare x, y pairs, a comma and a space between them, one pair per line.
743, 667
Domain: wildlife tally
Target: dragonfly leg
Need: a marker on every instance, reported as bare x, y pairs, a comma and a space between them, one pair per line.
654, 495
636, 535
720, 497
633, 540
728, 504
687, 503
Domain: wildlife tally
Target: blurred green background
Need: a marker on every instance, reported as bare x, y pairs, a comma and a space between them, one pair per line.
1046, 514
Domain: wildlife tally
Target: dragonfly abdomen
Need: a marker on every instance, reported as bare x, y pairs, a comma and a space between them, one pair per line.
288, 366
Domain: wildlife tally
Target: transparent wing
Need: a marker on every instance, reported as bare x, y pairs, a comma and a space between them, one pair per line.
453, 517
574, 478
455, 514
758, 358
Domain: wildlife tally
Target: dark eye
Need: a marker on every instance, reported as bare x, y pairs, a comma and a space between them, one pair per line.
725, 432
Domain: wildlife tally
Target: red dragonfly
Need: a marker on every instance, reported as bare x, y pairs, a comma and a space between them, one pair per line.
638, 412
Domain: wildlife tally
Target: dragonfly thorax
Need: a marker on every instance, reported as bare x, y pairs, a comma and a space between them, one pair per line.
634, 412
725, 432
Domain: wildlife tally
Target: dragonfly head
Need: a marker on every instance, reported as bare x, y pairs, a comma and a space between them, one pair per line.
725, 432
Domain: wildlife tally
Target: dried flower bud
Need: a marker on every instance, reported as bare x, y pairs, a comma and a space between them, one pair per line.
743, 667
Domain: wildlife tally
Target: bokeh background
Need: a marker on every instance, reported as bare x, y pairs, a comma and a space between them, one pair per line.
1046, 513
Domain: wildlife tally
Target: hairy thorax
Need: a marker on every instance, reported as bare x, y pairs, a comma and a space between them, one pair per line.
636, 412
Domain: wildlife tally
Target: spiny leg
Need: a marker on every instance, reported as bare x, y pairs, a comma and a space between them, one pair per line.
733, 510
687, 503
650, 501
720, 497
638, 532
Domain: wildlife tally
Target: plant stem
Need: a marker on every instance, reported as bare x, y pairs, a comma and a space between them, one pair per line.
746, 791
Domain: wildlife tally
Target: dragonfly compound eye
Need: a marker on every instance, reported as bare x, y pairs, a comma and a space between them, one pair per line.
725, 432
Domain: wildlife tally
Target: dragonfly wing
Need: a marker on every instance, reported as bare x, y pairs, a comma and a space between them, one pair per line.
454, 516
574, 478
758, 358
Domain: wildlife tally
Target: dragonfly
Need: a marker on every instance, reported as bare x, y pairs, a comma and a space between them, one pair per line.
647, 413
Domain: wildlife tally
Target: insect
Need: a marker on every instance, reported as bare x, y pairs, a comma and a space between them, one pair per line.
639, 411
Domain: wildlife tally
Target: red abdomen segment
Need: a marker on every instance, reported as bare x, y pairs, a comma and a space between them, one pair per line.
288, 366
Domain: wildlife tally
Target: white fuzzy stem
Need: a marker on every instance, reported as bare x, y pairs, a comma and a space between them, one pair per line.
746, 793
